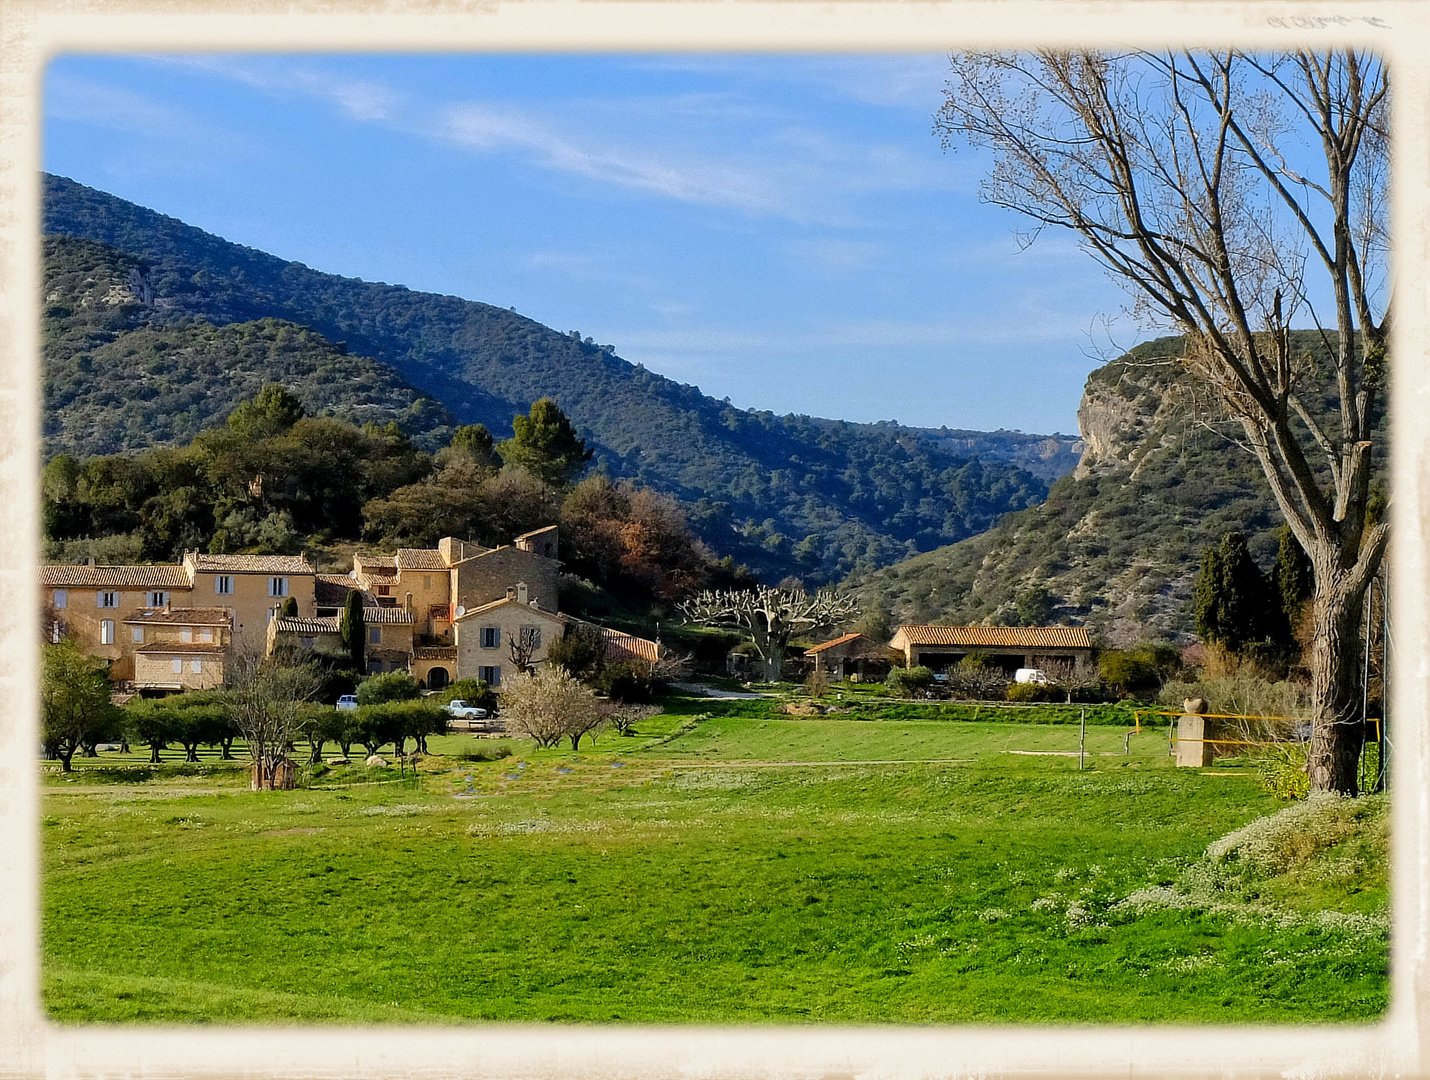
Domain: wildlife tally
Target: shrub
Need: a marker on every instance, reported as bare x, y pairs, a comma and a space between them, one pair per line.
1130, 673
1281, 770
472, 691
629, 682
391, 686
1030, 691
816, 684
909, 682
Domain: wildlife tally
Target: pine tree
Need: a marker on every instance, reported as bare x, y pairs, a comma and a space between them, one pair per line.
353, 630
1294, 580
545, 445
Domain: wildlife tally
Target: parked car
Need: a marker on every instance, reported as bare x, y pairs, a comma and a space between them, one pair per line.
1030, 675
347, 703
460, 710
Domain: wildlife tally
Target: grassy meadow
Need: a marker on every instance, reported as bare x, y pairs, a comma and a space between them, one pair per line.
722, 866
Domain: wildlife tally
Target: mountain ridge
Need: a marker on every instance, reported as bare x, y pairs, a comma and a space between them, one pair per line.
787, 494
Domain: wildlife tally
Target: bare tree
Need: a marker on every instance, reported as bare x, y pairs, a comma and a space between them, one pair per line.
624, 718
1187, 176
770, 616
265, 702
549, 706
522, 646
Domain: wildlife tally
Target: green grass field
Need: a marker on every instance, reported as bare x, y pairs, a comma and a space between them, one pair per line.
711, 869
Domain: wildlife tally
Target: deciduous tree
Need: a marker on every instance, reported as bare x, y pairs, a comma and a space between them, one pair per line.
74, 699
770, 616
1229, 192
549, 706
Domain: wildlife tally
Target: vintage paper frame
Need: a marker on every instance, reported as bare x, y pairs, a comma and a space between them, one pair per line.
31, 31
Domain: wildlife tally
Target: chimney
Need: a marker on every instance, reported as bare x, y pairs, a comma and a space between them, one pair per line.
511, 592
408, 605
522, 596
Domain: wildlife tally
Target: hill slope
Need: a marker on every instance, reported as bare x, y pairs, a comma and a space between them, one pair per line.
791, 494
1118, 541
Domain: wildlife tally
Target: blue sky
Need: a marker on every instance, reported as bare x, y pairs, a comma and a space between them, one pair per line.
782, 230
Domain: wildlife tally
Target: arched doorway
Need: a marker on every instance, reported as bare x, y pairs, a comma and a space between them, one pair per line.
436, 678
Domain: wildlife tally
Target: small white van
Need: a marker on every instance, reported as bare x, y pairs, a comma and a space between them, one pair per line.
1030, 675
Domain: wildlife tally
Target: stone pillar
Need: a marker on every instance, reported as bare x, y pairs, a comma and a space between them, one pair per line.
1193, 729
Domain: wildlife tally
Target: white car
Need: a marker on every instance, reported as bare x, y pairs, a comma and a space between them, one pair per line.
1030, 675
460, 710
347, 703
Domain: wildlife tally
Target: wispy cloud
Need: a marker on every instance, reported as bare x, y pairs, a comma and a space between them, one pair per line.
366, 100
76, 99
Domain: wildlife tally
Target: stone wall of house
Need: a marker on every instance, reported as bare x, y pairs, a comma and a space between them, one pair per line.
486, 578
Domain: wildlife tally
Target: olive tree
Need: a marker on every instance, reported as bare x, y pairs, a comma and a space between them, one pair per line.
1228, 193
266, 702
74, 700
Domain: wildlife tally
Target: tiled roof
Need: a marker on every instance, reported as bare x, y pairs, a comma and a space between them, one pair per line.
1016, 637
510, 600
434, 652
181, 617
162, 576
297, 624
830, 644
251, 564
621, 647
374, 566
184, 647
420, 559
386, 615
331, 590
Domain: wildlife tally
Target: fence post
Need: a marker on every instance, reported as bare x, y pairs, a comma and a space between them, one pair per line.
1192, 732
1081, 740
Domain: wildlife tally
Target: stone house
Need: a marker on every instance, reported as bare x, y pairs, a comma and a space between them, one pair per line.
179, 648
1008, 647
854, 657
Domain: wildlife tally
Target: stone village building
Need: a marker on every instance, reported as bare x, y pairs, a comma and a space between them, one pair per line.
440, 613
1008, 647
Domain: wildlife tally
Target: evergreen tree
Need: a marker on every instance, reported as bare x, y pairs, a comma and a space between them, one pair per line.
545, 445
273, 412
290, 607
476, 442
1294, 580
352, 628
1233, 603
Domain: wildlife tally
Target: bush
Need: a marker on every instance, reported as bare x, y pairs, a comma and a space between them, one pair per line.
1281, 770
1030, 691
630, 682
816, 684
1130, 673
391, 686
1242, 694
472, 691
909, 682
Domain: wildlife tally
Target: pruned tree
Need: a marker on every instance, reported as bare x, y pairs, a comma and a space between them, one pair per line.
1228, 192
770, 616
548, 706
623, 718
265, 701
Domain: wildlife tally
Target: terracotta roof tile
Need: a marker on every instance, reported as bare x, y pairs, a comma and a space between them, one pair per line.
161, 576
251, 564
420, 559
1016, 637
386, 615
181, 617
621, 647
831, 643
297, 624
331, 590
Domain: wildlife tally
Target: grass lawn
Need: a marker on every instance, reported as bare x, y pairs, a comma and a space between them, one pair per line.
715, 868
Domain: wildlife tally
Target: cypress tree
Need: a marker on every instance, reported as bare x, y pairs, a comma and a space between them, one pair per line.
1233, 603
353, 630
290, 607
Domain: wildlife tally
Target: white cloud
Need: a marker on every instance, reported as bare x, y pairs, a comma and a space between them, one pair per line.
68, 97
364, 100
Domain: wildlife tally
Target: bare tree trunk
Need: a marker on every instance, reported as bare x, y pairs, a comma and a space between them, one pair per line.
1336, 728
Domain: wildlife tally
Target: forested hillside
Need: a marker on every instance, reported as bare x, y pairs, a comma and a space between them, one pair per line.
1118, 541
141, 364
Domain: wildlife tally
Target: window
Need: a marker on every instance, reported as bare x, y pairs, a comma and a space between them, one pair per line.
426, 581
531, 635
177, 665
137, 633
107, 599
223, 584
490, 675
278, 586
206, 634
158, 598
61, 598
491, 637
196, 666
106, 632
374, 636
186, 634
384, 590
